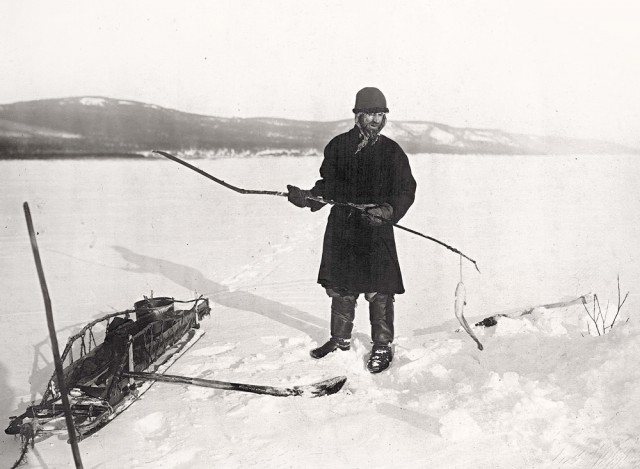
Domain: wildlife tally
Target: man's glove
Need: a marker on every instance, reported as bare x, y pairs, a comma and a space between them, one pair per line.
379, 214
298, 197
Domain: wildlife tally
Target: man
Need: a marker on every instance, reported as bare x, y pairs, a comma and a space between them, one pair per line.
367, 169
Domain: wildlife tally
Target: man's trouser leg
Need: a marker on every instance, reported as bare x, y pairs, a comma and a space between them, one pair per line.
381, 316
343, 310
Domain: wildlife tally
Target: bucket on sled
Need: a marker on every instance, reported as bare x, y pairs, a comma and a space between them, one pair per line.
153, 309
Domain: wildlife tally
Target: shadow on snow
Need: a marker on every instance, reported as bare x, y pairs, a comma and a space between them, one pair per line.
195, 280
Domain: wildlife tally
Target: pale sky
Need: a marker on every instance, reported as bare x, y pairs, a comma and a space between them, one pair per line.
569, 68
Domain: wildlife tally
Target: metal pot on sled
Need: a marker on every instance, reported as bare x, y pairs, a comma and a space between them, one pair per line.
153, 309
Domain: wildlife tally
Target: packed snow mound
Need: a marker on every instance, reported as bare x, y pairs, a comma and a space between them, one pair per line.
537, 396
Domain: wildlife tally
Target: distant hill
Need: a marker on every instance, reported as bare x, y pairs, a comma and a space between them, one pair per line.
96, 126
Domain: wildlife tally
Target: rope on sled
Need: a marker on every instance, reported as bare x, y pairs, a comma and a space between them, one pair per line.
23, 454
28, 432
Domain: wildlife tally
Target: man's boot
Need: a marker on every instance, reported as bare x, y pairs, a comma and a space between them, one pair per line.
380, 358
381, 316
343, 310
331, 345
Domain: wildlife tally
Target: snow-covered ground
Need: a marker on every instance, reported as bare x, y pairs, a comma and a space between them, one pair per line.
543, 393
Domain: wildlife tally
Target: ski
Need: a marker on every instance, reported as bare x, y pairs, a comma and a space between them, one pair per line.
493, 320
322, 388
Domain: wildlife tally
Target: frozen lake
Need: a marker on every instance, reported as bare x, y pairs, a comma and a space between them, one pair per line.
539, 227
542, 229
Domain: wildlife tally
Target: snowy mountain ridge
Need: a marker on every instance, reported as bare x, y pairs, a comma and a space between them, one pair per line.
95, 126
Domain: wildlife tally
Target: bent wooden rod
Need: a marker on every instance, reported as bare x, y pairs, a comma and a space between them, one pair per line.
317, 199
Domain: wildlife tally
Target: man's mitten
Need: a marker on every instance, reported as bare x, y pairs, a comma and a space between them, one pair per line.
297, 196
379, 214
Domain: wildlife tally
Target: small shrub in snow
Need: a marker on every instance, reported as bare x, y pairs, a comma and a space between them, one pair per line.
598, 319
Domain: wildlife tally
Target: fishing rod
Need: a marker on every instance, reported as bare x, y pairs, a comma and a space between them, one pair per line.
317, 199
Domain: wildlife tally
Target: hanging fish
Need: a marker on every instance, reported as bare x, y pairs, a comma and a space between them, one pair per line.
461, 300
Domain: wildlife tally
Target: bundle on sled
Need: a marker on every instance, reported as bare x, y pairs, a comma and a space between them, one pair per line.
147, 338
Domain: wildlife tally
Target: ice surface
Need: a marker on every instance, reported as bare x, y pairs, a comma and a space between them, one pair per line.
543, 393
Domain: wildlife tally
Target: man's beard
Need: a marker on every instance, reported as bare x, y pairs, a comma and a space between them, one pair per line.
368, 133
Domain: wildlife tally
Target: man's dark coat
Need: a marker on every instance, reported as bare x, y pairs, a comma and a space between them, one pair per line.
357, 256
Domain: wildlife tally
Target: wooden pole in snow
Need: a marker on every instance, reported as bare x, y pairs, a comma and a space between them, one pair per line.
73, 440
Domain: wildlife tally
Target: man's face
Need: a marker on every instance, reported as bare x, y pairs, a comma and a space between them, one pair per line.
372, 121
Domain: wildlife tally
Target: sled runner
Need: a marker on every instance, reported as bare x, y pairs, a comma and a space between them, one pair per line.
148, 338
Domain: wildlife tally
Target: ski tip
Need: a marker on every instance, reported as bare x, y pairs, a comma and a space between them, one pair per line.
322, 388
